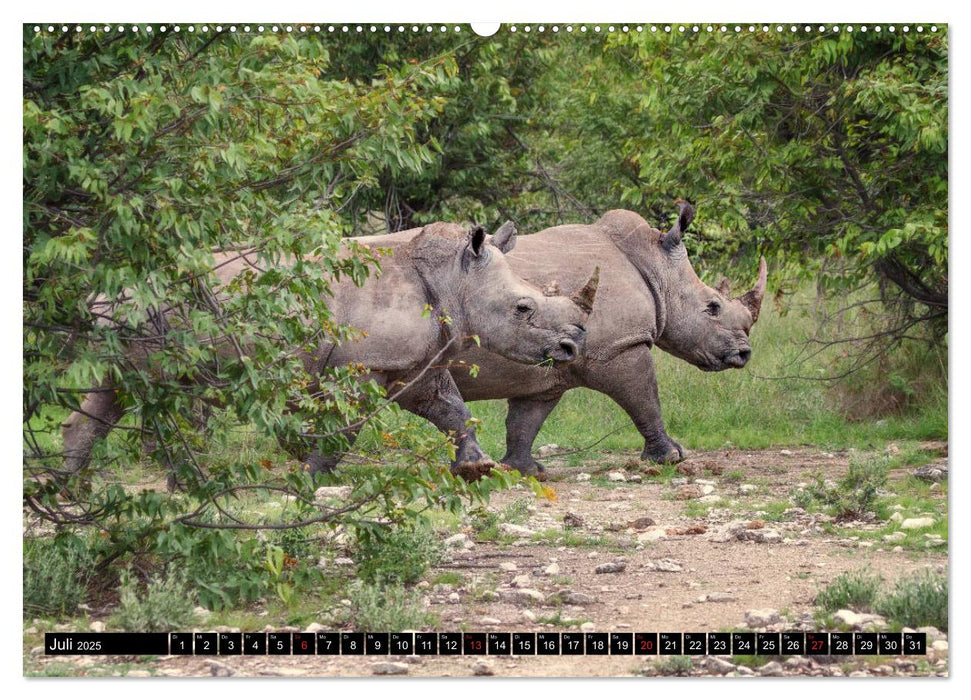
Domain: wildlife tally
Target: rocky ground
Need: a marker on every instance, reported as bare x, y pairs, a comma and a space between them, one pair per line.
619, 547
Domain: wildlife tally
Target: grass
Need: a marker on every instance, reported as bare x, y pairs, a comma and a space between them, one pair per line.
913, 601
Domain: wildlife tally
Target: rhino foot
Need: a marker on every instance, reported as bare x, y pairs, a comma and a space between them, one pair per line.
526, 467
473, 471
665, 453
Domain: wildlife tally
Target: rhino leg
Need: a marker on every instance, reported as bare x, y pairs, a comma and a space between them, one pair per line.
629, 379
436, 398
99, 413
523, 421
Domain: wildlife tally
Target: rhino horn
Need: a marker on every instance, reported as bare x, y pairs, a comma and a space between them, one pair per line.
752, 300
505, 238
724, 287
584, 297
686, 214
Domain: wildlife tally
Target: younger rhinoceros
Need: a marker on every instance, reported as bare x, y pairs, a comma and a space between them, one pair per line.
649, 295
444, 267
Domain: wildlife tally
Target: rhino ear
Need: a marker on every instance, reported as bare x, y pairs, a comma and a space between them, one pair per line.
686, 214
724, 287
505, 238
476, 240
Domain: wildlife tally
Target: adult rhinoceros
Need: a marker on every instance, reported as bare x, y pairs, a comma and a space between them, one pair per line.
444, 267
649, 295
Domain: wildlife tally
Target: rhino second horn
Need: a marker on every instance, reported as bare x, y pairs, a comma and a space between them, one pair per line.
724, 287
752, 300
686, 214
584, 298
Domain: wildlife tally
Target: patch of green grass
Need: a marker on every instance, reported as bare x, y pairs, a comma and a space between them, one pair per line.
917, 600
389, 608
855, 495
451, 578
165, 604
573, 538
557, 620
56, 574
675, 666
856, 590
696, 509
752, 661
735, 476
773, 511
403, 555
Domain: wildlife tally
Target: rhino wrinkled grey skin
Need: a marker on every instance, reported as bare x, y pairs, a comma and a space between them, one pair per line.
649, 295
453, 271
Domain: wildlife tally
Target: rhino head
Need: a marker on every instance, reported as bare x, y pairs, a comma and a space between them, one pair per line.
702, 325
475, 285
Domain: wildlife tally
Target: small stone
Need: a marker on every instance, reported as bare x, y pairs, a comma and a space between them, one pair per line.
747, 488
773, 668
459, 541
652, 535
665, 565
848, 618
389, 668
454, 598
483, 668
521, 596
37, 651
719, 597
713, 664
515, 530
572, 520
744, 671
529, 615
614, 567
343, 561
785, 453
552, 570
710, 498
522, 581
616, 476
896, 517
508, 566
762, 618
588, 627
201, 612
895, 537
637, 478
490, 621
547, 450
932, 632
916, 523
315, 627
220, 670
570, 597
939, 645
582, 476
689, 491
139, 673
325, 495
97, 626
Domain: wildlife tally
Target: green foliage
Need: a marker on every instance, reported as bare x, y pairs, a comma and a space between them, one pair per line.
55, 575
916, 601
856, 494
166, 604
387, 607
400, 557
855, 590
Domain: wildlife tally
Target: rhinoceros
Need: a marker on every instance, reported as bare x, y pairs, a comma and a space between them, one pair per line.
453, 271
649, 295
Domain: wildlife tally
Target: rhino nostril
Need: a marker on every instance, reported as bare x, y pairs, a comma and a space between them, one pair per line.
744, 355
569, 349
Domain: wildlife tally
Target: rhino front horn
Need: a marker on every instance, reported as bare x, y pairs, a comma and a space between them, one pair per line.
752, 300
584, 297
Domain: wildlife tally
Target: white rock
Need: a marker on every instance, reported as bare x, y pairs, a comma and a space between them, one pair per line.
529, 615
521, 596
773, 668
710, 498
515, 530
785, 453
848, 618
896, 517
483, 668
895, 537
324, 494
454, 598
315, 627
939, 645
652, 535
343, 561
715, 664
547, 450
389, 668
459, 541
719, 597
916, 523
97, 626
762, 618
201, 612
522, 581
582, 476
616, 476
508, 566
747, 488
590, 627
490, 621
552, 570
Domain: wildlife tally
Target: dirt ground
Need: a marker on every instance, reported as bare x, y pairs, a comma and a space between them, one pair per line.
679, 573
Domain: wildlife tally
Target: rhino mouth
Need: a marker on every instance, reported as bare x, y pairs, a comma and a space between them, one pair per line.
737, 358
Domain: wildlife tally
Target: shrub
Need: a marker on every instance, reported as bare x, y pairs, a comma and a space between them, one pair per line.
55, 576
401, 556
165, 605
387, 608
916, 600
856, 590
856, 494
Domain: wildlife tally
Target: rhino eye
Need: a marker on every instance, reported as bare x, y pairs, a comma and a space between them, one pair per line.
524, 307
713, 308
